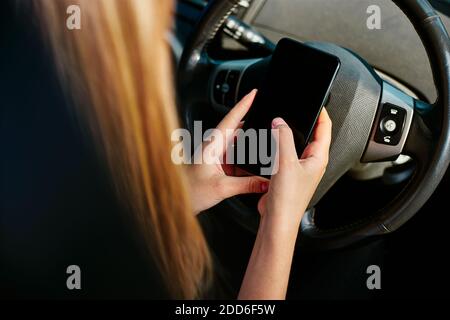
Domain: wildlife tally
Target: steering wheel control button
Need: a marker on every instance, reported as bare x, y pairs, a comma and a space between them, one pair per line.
389, 125
390, 129
218, 86
231, 82
225, 88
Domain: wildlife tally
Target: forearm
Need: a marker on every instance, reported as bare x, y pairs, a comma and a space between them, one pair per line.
268, 270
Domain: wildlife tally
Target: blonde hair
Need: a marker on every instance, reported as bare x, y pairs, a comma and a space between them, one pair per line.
118, 67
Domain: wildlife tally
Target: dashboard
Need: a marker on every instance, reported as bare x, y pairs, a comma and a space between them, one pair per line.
395, 49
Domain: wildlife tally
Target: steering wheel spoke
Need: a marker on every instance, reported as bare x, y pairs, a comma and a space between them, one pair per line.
227, 85
215, 85
398, 127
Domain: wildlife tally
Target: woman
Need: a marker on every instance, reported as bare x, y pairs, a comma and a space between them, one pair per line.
118, 70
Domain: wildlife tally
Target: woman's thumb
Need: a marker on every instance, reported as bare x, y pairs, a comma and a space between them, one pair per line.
243, 185
285, 140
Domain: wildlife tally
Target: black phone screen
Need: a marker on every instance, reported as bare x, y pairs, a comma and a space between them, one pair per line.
295, 88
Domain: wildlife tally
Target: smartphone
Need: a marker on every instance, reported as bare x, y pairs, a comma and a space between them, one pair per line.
296, 87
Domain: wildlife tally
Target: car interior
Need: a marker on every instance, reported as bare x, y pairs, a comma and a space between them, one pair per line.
382, 200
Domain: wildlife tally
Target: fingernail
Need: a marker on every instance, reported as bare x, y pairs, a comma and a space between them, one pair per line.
277, 122
264, 186
251, 93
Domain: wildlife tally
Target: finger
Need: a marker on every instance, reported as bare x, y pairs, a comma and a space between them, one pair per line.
262, 204
320, 146
235, 135
221, 142
233, 120
231, 140
285, 141
323, 121
233, 186
235, 116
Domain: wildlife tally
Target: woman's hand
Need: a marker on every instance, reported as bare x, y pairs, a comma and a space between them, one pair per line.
292, 188
282, 209
210, 183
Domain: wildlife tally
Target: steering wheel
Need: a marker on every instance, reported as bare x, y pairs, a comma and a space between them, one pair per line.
360, 106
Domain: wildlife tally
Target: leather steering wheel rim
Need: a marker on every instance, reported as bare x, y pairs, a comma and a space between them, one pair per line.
435, 39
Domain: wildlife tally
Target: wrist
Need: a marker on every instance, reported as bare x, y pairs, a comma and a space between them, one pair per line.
283, 218
284, 227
